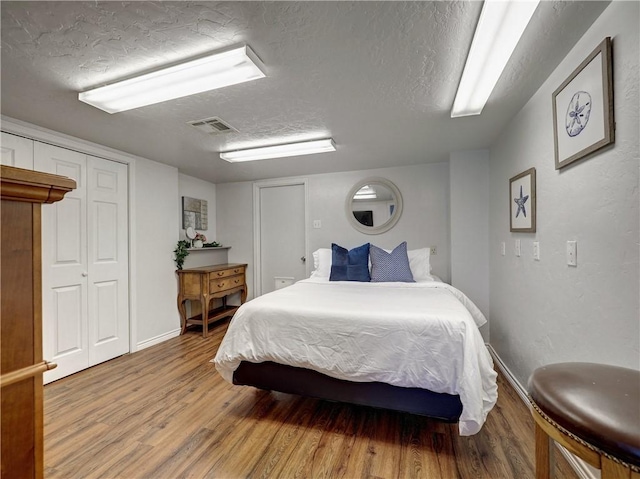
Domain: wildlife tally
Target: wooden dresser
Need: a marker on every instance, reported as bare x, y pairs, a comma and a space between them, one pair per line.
205, 283
21, 362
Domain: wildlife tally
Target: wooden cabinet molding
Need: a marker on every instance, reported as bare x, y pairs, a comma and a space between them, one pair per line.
33, 186
21, 362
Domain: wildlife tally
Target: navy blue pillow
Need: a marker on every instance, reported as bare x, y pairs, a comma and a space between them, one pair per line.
349, 265
392, 266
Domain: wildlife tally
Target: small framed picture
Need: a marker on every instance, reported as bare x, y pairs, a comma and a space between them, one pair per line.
522, 201
583, 108
194, 213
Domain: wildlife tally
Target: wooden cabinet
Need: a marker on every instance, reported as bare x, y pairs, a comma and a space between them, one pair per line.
21, 362
205, 283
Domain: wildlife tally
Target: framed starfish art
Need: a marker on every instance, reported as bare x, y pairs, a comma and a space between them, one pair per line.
583, 108
522, 202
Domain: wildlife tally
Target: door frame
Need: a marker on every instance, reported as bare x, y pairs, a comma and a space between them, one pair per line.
51, 137
257, 259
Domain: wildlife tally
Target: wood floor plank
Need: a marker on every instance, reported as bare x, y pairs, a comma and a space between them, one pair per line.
358, 463
334, 441
419, 458
165, 412
233, 427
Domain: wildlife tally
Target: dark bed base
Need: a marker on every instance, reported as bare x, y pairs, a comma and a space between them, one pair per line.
305, 382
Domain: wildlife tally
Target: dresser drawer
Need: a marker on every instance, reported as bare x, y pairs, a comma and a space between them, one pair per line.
222, 284
226, 272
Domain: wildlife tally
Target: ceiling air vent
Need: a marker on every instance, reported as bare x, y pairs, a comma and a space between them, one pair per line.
212, 126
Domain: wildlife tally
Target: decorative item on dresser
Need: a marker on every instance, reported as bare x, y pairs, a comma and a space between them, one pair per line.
206, 283
21, 362
181, 252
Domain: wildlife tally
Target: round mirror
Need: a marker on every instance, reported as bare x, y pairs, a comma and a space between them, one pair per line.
373, 205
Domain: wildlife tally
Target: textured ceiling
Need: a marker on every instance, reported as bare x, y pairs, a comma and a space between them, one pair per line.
378, 77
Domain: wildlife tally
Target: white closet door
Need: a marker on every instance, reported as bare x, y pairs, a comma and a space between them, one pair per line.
64, 265
108, 260
16, 151
85, 262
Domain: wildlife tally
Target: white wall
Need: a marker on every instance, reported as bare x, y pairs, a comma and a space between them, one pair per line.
156, 210
235, 224
424, 221
469, 190
546, 312
202, 190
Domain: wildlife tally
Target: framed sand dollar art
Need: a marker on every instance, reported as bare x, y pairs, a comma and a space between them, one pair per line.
583, 119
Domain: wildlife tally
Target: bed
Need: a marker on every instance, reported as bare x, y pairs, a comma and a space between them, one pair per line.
414, 347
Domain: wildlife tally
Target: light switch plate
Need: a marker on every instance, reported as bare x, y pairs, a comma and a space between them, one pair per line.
503, 248
518, 247
536, 250
572, 253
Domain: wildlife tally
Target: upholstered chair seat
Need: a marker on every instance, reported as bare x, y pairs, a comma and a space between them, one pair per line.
593, 410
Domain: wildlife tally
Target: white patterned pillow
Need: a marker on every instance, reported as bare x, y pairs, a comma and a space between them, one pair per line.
390, 267
321, 264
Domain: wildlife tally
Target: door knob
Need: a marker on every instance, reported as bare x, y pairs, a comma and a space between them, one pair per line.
85, 274
303, 259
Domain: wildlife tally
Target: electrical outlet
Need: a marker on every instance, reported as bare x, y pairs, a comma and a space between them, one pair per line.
434, 251
503, 248
572, 253
317, 224
518, 247
536, 250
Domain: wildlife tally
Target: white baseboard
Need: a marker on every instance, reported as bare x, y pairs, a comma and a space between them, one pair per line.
583, 470
157, 339
522, 392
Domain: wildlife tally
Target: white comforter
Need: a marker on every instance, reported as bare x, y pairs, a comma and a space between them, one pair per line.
406, 334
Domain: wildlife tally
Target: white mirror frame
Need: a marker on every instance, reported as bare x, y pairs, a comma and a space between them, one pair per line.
374, 230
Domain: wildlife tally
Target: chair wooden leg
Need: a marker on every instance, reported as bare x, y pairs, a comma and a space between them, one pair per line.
543, 453
613, 470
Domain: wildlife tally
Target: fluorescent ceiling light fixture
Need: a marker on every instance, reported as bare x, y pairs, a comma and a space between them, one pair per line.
280, 151
365, 193
365, 197
498, 32
217, 70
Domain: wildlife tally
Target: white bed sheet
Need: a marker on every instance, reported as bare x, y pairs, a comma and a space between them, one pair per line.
406, 334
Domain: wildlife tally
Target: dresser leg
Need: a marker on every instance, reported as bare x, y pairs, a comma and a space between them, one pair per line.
205, 315
243, 294
183, 315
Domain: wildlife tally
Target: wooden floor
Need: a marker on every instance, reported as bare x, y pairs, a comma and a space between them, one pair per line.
165, 412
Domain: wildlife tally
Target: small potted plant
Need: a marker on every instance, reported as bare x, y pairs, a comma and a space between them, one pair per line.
181, 252
199, 240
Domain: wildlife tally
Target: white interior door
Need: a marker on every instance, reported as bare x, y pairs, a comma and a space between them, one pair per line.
85, 260
282, 234
16, 151
108, 260
64, 265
